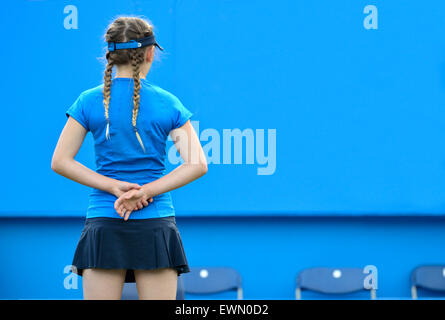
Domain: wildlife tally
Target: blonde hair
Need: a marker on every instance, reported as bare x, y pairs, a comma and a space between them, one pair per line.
124, 29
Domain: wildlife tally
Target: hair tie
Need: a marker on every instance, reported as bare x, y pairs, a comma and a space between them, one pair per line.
107, 132
139, 138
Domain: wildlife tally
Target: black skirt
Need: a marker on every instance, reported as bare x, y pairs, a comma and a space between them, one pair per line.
113, 243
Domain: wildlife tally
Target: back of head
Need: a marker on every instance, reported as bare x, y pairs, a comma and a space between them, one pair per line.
125, 29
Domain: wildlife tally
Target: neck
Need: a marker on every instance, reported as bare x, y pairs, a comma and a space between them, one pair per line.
128, 75
127, 72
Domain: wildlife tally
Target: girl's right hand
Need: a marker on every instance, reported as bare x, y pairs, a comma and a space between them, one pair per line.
128, 202
120, 187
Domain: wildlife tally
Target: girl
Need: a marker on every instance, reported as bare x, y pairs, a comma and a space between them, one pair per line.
130, 232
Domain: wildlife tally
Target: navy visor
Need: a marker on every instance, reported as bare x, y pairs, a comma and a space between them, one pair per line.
138, 43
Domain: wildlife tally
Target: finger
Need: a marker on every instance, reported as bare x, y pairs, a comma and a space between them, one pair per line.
127, 215
118, 203
128, 195
140, 205
151, 200
144, 202
128, 186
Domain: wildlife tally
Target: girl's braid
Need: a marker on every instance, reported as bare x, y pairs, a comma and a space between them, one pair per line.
137, 57
107, 92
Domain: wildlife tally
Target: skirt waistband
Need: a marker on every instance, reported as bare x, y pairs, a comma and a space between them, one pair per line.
130, 222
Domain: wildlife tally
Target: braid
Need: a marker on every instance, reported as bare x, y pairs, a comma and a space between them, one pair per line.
107, 93
136, 60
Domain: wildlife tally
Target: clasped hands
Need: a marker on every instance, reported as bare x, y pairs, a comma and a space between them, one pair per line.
130, 197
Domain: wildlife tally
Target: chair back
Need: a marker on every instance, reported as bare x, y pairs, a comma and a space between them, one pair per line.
332, 281
428, 277
208, 280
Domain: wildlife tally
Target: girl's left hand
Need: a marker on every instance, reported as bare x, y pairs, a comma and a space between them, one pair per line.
128, 202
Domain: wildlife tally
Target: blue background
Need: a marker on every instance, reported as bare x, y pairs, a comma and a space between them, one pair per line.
360, 173
359, 113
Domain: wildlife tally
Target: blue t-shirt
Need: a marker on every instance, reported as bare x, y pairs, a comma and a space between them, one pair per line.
121, 156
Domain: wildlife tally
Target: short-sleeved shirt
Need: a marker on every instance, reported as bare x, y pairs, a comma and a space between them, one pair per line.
122, 157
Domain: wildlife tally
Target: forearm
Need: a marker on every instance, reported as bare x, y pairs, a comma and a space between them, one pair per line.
76, 171
177, 178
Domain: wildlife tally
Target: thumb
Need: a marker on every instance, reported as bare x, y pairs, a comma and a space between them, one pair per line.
127, 196
130, 186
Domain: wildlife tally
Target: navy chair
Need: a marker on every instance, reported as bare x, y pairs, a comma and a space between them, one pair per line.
428, 277
180, 291
130, 292
332, 281
208, 280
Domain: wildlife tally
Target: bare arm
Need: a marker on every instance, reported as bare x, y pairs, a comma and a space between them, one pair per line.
194, 166
70, 141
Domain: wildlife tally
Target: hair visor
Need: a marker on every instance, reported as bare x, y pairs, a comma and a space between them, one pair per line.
132, 44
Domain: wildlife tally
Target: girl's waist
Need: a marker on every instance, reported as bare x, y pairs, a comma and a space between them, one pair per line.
102, 204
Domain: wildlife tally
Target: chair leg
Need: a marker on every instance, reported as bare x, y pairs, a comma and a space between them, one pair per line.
240, 293
414, 292
298, 294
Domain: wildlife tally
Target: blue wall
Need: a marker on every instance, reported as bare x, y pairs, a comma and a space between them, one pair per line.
267, 251
358, 113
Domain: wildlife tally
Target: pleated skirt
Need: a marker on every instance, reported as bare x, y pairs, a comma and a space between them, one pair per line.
145, 244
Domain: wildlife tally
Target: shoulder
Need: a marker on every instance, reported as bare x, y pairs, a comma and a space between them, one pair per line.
92, 93
166, 96
178, 113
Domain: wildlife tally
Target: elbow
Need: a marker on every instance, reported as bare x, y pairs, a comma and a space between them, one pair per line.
200, 169
54, 165
196, 170
203, 169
